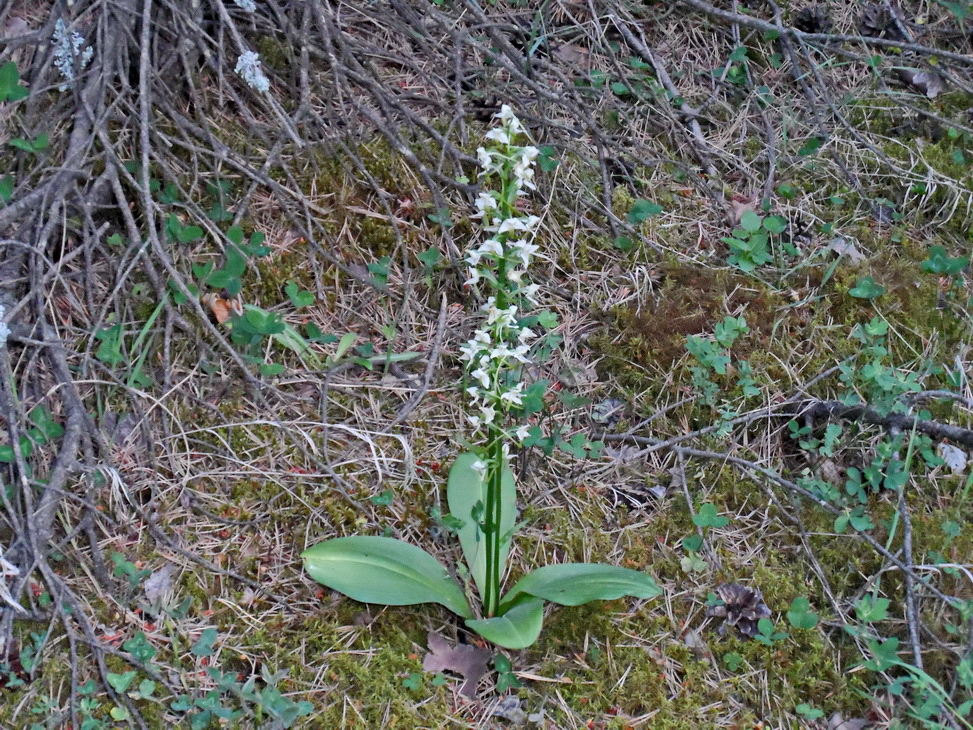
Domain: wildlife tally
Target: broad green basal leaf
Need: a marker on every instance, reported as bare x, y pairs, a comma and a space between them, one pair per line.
516, 629
466, 496
571, 584
384, 570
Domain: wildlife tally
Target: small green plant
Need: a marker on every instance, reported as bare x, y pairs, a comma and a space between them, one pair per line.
506, 679
10, 86
867, 288
767, 633
33, 146
481, 489
754, 243
691, 562
44, 430
732, 660
800, 615
808, 712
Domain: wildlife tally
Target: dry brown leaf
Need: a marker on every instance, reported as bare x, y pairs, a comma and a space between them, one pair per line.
222, 307
468, 661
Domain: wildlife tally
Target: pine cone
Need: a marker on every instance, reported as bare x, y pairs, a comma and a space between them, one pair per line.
877, 22
742, 608
813, 20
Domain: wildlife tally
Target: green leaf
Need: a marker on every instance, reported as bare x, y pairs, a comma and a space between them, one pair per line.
466, 490
623, 243
204, 645
708, 517
10, 88
42, 418
235, 234
546, 159
109, 352
518, 628
750, 221
867, 288
732, 660
299, 298
383, 570
121, 682
642, 210
812, 145
885, 654
775, 224
344, 344
188, 234
939, 262
6, 187
800, 615
870, 609
429, 258
573, 584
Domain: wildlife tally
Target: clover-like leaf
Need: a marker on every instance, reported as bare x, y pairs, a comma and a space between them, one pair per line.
800, 615
709, 517
867, 288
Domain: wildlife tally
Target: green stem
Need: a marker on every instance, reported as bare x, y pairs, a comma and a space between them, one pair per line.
494, 539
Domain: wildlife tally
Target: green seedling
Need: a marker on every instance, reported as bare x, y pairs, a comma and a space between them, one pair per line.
800, 615
767, 633
867, 288
707, 517
642, 210
10, 87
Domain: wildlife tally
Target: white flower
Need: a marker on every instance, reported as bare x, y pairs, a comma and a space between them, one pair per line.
4, 329
514, 396
510, 120
471, 349
498, 134
519, 353
523, 251
529, 292
483, 376
479, 467
491, 245
484, 203
474, 277
503, 317
488, 413
501, 352
525, 334
523, 432
516, 224
67, 48
515, 275
248, 66
474, 393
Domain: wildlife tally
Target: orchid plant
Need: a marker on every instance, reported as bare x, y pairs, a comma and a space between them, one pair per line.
481, 490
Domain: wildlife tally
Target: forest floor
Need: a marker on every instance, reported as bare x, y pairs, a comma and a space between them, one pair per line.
755, 358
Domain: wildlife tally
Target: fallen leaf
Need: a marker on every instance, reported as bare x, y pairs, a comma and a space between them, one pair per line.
468, 661
846, 247
836, 722
573, 54
222, 308
954, 457
929, 83
157, 585
509, 709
